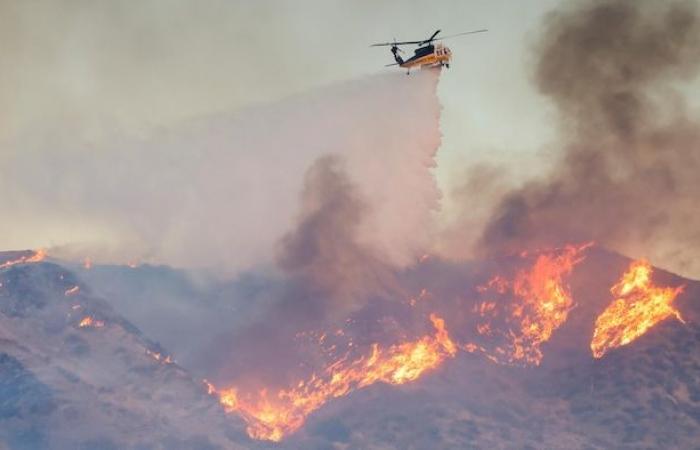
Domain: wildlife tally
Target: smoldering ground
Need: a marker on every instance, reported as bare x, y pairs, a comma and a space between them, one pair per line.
626, 173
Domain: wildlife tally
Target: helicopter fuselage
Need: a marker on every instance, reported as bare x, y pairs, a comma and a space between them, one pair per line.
430, 55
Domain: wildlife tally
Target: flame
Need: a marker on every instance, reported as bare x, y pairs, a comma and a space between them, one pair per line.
541, 304
424, 295
72, 291
87, 263
89, 322
38, 256
638, 306
497, 283
273, 416
160, 358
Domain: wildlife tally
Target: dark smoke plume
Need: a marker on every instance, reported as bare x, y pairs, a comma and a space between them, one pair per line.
324, 249
629, 176
328, 273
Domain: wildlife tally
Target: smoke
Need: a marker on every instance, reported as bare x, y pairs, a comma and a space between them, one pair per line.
218, 192
327, 274
628, 173
320, 198
324, 250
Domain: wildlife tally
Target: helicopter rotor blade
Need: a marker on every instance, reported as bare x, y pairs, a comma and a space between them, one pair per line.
431, 38
427, 41
383, 44
460, 34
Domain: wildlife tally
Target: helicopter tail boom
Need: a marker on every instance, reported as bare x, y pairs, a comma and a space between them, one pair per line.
395, 50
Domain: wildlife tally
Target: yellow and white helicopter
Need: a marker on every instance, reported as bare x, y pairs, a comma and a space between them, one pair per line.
427, 54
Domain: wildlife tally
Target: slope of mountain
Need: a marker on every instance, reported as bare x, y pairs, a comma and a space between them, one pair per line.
644, 395
180, 310
105, 385
76, 375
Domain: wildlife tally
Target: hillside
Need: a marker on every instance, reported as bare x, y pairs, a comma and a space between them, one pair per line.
74, 374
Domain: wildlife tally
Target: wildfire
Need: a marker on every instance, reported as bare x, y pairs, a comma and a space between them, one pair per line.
37, 256
541, 304
638, 306
424, 295
87, 263
272, 416
89, 322
72, 291
160, 357
497, 283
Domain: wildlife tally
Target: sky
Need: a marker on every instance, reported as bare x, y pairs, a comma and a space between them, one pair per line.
99, 67
95, 72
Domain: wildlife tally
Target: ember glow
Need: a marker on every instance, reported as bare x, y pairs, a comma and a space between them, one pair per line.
165, 359
638, 306
272, 416
89, 322
37, 256
541, 301
72, 291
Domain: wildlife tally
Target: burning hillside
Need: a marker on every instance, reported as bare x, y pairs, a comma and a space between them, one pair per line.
358, 322
273, 415
638, 306
509, 320
477, 327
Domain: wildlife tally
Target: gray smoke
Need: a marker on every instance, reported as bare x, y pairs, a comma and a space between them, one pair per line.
327, 274
324, 249
628, 174
218, 192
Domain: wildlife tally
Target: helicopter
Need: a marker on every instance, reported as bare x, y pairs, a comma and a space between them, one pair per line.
427, 54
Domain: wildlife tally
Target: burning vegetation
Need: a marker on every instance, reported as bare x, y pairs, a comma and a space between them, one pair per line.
72, 291
273, 416
528, 308
638, 306
161, 358
514, 315
34, 257
90, 322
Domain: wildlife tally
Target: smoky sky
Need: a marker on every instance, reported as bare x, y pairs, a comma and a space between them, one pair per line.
627, 172
218, 192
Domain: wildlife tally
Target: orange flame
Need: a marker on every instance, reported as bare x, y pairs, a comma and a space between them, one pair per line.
497, 283
38, 256
89, 322
542, 302
638, 306
160, 358
271, 417
72, 291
